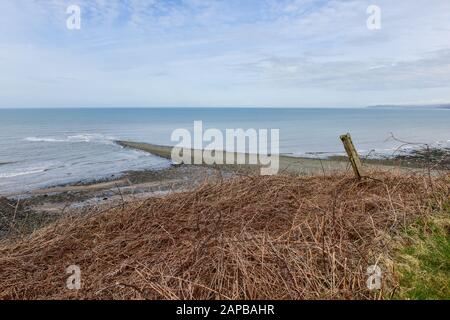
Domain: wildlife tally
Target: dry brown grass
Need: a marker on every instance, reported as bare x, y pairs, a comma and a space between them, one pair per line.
277, 237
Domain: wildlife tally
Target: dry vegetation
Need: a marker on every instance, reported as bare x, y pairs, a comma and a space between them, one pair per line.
277, 237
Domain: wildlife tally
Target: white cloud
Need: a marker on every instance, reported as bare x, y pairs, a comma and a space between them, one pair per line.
206, 52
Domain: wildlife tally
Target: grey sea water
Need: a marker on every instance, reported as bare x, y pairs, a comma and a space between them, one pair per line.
46, 147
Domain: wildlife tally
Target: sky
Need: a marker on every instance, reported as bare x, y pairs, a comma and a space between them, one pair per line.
223, 53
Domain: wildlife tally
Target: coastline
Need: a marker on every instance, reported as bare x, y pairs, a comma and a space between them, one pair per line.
56, 201
140, 179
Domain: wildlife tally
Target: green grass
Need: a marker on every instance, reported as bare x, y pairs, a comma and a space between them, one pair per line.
423, 267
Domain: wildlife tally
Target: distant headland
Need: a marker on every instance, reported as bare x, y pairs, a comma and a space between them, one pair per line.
401, 106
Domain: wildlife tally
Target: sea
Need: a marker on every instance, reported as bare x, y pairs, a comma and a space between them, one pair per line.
50, 147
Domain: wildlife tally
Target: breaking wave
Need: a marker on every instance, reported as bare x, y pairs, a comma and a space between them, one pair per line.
22, 173
84, 137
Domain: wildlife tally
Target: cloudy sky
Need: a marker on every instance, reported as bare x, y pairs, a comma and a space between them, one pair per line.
271, 53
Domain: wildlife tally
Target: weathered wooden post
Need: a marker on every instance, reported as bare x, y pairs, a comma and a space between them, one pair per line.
352, 154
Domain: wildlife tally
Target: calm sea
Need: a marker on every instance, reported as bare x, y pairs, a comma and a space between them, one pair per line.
46, 147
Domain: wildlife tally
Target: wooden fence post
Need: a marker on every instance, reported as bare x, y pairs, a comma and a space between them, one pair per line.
352, 154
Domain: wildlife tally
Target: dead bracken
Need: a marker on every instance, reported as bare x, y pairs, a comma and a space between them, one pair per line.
251, 237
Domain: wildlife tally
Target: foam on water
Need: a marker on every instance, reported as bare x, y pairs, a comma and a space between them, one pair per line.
21, 173
82, 137
48, 160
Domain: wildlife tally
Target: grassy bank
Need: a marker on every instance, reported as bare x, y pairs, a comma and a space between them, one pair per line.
423, 262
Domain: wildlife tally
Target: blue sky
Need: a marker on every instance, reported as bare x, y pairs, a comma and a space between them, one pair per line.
285, 53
